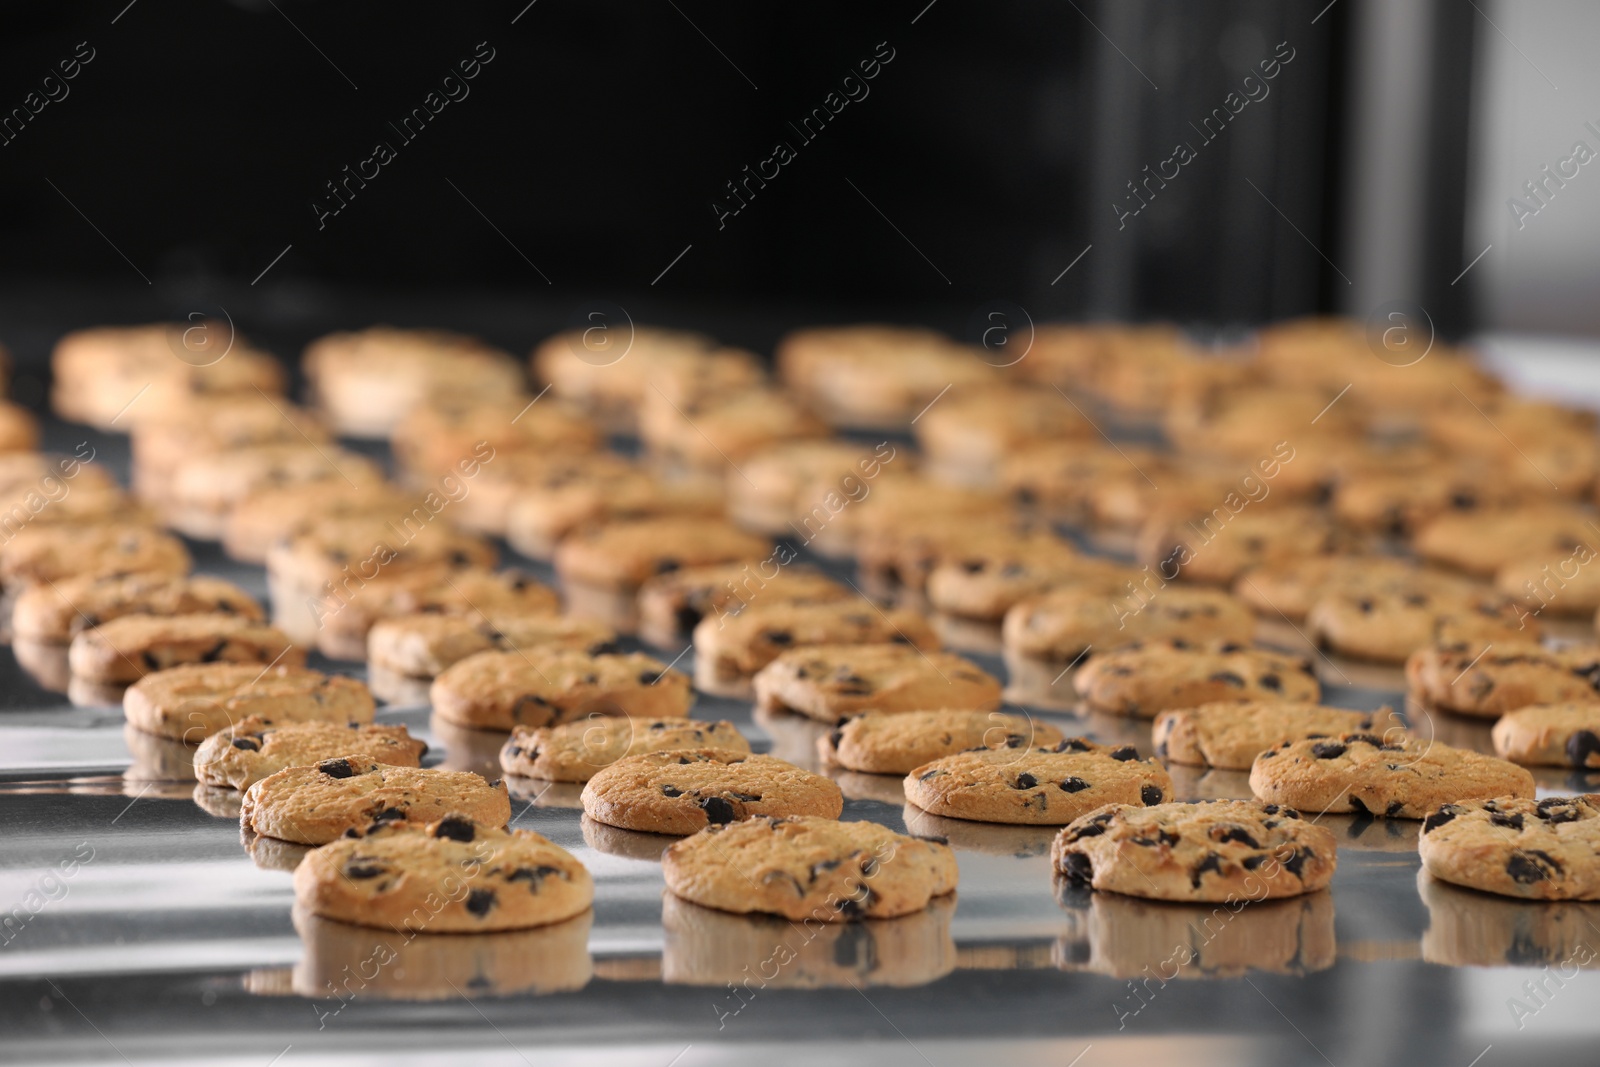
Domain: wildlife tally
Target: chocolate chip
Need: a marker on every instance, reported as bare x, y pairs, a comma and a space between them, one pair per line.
1231, 647
1239, 834
1250, 863
1556, 810
931, 774
1077, 868
1270, 681
972, 566
337, 768
717, 810
1025, 781
454, 828
1580, 746
651, 677
389, 815
151, 663
1125, 753
1150, 794
364, 870
1212, 862
1375, 742
1527, 866
1073, 785
533, 876
835, 738
671, 791
1297, 861
479, 901
1357, 806
1327, 749
779, 637
247, 744
687, 618
1395, 808
667, 566
1072, 744
1500, 818
1440, 817
1228, 678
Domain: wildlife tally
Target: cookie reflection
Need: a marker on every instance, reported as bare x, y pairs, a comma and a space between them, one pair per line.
157, 759
466, 749
270, 853
45, 663
1208, 783
1124, 937
794, 737
858, 785
396, 689
629, 844
1363, 833
222, 803
344, 962
1473, 929
717, 948
996, 839
967, 635
543, 794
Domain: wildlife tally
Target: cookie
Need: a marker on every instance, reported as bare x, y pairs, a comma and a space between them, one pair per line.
898, 557
549, 686
365, 381
1481, 543
1058, 479
254, 748
424, 645
1400, 778
804, 867
551, 506
1517, 847
162, 440
986, 582
1289, 588
56, 612
620, 556
685, 790
1474, 680
1040, 786
1215, 547
1386, 625
769, 495
315, 804
40, 554
873, 521
1214, 850
439, 588
874, 376
1467, 928
450, 876
897, 742
1061, 624
716, 430
671, 605
433, 439
967, 434
729, 648
205, 486
827, 682
126, 649
108, 375
1232, 735
192, 703
1153, 677
1561, 585
1550, 735
577, 751
266, 516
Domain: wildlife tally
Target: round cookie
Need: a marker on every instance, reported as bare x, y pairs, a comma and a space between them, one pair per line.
50, 553
898, 742
804, 867
1562, 585
126, 649
730, 648
192, 703
967, 434
1550, 735
313, 805
769, 495
254, 748
426, 644
577, 751
1388, 624
1480, 543
716, 429
205, 486
827, 682
671, 605
1149, 678
1198, 550
1474, 680
1037, 786
279, 513
1232, 735
620, 556
686, 790
1214, 850
450, 876
548, 686
1400, 779
1060, 624
985, 582
1517, 847
57, 612
1291, 587
549, 507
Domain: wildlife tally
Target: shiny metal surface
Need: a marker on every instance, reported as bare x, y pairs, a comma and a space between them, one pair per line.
139, 927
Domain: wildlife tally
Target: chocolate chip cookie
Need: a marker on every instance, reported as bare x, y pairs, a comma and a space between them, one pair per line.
1516, 846
1386, 625
549, 686
671, 605
56, 612
425, 644
577, 751
253, 748
1399, 778
729, 648
897, 742
1550, 735
1061, 624
1214, 850
620, 556
126, 649
192, 703
685, 790
1232, 735
827, 682
1152, 677
1041, 786
316, 804
804, 867
1474, 680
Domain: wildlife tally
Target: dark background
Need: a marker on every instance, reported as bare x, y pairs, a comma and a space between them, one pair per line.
985, 159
